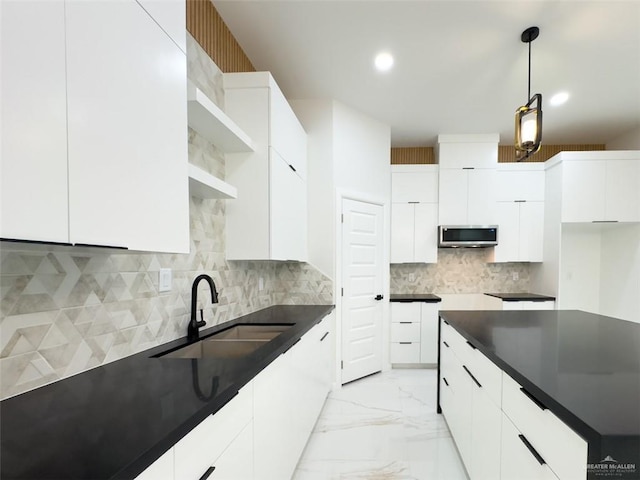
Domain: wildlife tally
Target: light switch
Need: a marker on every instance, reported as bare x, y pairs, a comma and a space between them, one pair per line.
164, 280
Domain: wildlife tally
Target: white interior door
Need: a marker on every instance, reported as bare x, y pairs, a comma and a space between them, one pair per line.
362, 272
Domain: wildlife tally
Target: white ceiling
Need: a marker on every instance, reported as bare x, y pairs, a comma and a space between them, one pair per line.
460, 66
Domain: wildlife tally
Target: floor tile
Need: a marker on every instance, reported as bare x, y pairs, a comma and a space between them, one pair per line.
382, 427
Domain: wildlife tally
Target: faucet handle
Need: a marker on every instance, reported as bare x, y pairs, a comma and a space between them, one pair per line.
201, 323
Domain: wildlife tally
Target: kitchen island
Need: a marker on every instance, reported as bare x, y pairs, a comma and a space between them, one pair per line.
580, 370
114, 421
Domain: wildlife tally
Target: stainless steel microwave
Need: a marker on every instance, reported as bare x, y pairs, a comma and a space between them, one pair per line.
467, 236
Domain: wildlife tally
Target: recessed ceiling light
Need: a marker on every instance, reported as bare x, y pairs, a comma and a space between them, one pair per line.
559, 99
384, 61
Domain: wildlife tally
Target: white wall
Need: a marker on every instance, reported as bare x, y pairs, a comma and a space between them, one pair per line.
620, 272
317, 118
362, 149
627, 141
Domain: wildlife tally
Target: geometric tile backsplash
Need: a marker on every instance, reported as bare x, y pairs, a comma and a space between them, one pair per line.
65, 310
460, 270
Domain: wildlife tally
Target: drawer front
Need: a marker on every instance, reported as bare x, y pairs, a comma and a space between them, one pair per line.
405, 332
457, 343
199, 449
563, 450
405, 311
517, 461
487, 374
405, 353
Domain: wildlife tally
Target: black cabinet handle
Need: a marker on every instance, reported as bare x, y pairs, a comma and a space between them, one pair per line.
532, 450
468, 168
324, 336
538, 403
445, 381
405, 323
445, 344
405, 343
471, 375
208, 473
292, 168
378, 297
445, 321
471, 345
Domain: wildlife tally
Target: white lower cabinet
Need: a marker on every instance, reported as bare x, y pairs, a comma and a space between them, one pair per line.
161, 469
236, 462
289, 395
414, 333
500, 430
261, 432
529, 305
518, 460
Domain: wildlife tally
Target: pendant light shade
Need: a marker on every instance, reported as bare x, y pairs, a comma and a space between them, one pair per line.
529, 116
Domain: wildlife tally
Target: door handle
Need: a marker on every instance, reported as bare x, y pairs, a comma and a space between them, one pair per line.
378, 297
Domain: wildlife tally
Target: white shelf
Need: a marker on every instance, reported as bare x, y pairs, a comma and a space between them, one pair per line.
206, 118
204, 185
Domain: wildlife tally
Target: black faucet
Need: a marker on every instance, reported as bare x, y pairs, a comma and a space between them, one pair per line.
194, 323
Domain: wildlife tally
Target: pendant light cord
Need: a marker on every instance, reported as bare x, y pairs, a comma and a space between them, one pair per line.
529, 82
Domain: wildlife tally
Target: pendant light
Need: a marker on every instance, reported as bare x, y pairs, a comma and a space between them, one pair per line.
529, 116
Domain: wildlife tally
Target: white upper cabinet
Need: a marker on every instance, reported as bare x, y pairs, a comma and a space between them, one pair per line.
520, 212
33, 188
414, 183
268, 221
600, 186
109, 165
414, 213
467, 189
127, 129
171, 15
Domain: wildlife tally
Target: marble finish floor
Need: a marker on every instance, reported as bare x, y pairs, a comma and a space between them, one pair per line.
383, 427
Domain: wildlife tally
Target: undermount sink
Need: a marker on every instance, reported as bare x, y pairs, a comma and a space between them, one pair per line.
234, 342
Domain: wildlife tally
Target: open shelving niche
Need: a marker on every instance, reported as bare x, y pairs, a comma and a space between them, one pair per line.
206, 118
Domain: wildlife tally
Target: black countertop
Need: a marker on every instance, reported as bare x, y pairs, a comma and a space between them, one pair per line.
414, 297
113, 421
521, 297
584, 367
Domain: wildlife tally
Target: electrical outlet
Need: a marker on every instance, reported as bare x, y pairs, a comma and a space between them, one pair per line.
164, 280
261, 284
515, 276
412, 277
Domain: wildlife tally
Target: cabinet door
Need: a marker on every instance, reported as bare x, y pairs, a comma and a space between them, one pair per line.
171, 15
161, 469
425, 233
288, 137
402, 232
236, 462
485, 437
583, 191
288, 211
525, 185
531, 231
272, 412
415, 185
429, 333
33, 184
508, 216
127, 134
482, 197
452, 208
623, 191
